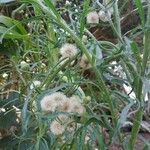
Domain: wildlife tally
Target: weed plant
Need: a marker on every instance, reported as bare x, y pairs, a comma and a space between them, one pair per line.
61, 87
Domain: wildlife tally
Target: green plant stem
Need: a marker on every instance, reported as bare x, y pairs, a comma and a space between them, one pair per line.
54, 51
117, 18
136, 127
146, 54
139, 113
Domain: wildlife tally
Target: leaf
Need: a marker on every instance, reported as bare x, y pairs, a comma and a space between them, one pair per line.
99, 137
136, 127
81, 139
136, 51
52, 7
138, 4
25, 114
9, 22
123, 117
12, 29
86, 5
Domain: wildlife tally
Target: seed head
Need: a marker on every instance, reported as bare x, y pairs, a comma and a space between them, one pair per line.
51, 102
57, 128
76, 106
84, 63
104, 16
92, 18
68, 50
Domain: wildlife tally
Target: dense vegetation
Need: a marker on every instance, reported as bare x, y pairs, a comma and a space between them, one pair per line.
74, 74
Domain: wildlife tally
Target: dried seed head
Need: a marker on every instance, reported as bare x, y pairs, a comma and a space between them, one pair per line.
51, 102
65, 106
76, 106
92, 18
104, 16
57, 128
68, 50
84, 63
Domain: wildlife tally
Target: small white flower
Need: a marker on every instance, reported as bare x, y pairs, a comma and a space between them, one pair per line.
68, 50
104, 16
84, 63
35, 84
93, 17
57, 128
51, 102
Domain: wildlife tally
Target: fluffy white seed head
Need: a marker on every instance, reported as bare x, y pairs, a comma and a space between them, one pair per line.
68, 50
65, 106
104, 16
51, 102
93, 18
47, 104
84, 63
57, 128
76, 106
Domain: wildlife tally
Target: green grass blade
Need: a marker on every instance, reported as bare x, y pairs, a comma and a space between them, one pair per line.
86, 5
139, 5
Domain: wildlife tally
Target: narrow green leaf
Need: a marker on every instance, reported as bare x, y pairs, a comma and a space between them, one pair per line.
123, 117
11, 29
86, 5
99, 138
136, 51
12, 23
136, 127
139, 5
52, 7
